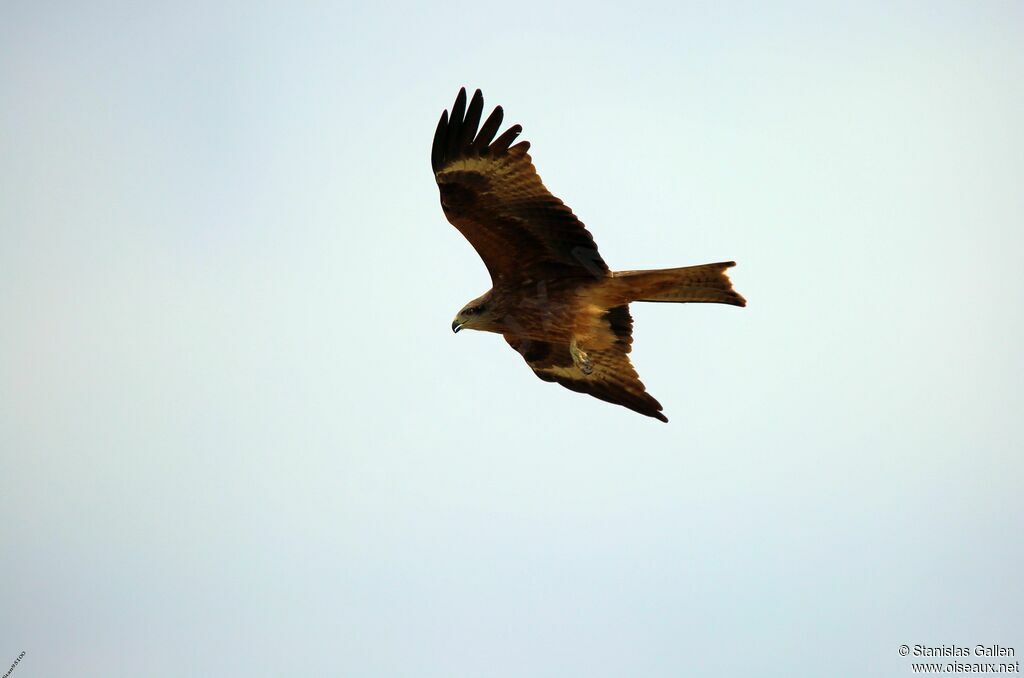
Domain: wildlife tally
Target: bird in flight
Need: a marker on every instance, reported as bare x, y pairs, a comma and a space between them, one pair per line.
553, 298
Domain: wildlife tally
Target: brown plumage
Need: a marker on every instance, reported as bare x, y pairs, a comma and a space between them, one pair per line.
553, 297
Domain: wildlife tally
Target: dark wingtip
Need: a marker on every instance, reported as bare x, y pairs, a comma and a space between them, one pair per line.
489, 129
455, 123
502, 143
660, 417
469, 126
438, 149
457, 134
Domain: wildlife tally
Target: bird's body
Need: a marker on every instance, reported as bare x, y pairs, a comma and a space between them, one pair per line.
553, 298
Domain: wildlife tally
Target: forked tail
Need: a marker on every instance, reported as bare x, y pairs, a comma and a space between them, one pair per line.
707, 283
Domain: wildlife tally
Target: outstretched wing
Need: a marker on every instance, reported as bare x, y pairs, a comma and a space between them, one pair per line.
612, 379
491, 192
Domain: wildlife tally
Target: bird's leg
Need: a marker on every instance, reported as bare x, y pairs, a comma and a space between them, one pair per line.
580, 358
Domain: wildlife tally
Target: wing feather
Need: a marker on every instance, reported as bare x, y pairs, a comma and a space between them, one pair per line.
502, 143
437, 151
469, 126
613, 377
491, 192
487, 132
455, 123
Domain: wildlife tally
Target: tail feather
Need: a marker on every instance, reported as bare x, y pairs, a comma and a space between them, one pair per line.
707, 283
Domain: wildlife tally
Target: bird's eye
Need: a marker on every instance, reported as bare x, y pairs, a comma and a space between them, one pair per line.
469, 311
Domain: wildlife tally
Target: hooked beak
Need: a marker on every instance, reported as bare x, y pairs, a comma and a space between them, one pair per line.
456, 326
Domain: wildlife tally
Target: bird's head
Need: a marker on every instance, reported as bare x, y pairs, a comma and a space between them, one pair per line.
476, 315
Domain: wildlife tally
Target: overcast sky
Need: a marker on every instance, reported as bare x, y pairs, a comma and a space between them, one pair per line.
238, 437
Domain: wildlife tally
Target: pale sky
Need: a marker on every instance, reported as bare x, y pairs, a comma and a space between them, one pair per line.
238, 437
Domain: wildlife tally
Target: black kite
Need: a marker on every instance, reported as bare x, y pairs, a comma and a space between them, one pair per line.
553, 297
